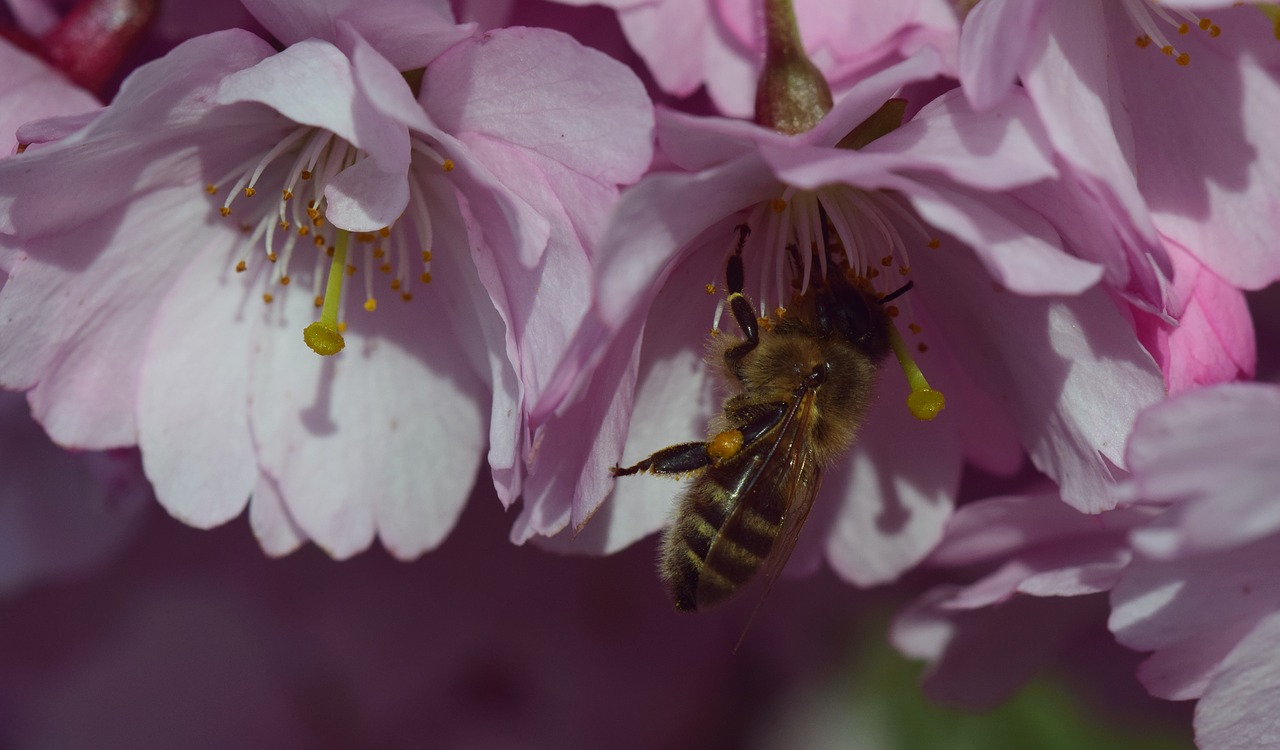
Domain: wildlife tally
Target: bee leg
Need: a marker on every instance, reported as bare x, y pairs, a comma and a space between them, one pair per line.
742, 313
675, 459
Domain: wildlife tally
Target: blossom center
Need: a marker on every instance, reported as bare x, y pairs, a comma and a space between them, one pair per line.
298, 169
1152, 21
803, 235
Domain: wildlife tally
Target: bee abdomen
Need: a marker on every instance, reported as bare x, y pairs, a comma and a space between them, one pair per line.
709, 554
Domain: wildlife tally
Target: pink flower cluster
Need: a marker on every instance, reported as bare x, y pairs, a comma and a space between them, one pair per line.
332, 264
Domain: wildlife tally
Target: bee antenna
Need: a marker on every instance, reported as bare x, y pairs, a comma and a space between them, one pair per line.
891, 296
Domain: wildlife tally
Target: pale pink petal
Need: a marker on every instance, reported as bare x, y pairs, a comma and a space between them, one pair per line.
1072, 79
674, 398
385, 437
191, 400
1238, 712
1220, 199
1001, 148
654, 29
1073, 400
1158, 604
1000, 526
995, 41
31, 90
540, 90
274, 528
894, 492
72, 336
1212, 452
409, 33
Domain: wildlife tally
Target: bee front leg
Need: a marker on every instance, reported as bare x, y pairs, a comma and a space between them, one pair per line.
742, 312
676, 459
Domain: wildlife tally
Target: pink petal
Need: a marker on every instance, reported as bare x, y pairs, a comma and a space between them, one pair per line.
995, 42
1212, 452
1068, 370
193, 391
274, 528
409, 33
542, 91
1220, 199
386, 436
894, 492
1238, 709
31, 90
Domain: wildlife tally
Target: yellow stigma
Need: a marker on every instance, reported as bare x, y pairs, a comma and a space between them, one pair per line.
923, 402
325, 335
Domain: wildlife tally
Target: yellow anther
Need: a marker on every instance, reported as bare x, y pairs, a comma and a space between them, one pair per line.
225, 210
284, 280
922, 347
425, 278
286, 194
304, 230
342, 327
1143, 42
1183, 59
780, 312
240, 266
329, 251
778, 205
904, 270
365, 237
320, 301
1167, 49
313, 213
447, 165
934, 243
284, 226
1214, 31
305, 174
351, 270
273, 257
385, 268
426, 256
892, 311
1184, 28
385, 232
395, 284
371, 304
268, 298
378, 252
406, 297
886, 261
249, 192
318, 240
211, 188
711, 288
1204, 24
914, 328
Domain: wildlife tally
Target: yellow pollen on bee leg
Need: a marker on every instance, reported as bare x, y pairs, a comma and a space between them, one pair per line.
724, 446
923, 402
324, 336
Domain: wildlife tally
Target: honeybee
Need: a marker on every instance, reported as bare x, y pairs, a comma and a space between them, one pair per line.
802, 389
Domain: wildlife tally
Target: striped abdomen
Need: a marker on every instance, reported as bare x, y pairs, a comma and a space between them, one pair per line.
717, 542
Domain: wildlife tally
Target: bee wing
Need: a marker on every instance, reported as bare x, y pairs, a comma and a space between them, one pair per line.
775, 495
